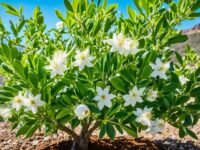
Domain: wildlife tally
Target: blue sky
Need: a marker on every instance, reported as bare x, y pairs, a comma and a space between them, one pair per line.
48, 7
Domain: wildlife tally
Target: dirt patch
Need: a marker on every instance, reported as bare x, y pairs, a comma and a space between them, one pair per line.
168, 140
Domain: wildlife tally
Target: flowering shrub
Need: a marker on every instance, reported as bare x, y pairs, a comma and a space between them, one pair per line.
100, 70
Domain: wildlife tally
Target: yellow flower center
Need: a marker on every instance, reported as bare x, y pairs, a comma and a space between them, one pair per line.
18, 100
83, 57
162, 68
148, 115
134, 94
32, 102
121, 42
103, 97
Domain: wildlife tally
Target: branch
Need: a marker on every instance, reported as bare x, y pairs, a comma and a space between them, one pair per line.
68, 130
90, 131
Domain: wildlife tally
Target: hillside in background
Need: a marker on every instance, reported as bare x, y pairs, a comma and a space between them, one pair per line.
193, 39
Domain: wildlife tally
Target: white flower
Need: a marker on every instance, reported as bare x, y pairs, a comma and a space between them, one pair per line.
82, 111
5, 113
130, 47
33, 102
159, 69
18, 101
117, 42
83, 59
57, 64
152, 95
125, 46
104, 98
143, 116
60, 25
183, 79
134, 96
157, 126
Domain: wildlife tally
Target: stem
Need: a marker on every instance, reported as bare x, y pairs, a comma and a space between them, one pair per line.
92, 129
69, 131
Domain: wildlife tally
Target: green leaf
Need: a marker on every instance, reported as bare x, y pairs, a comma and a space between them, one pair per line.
170, 87
179, 58
177, 39
195, 14
102, 131
181, 100
110, 130
67, 99
6, 93
131, 13
19, 68
32, 130
23, 130
104, 4
66, 119
83, 88
182, 132
75, 5
111, 8
118, 83
12, 27
129, 130
127, 74
121, 115
136, 2
191, 133
93, 108
59, 15
115, 108
74, 123
57, 88
188, 120
196, 6
195, 91
33, 79
7, 52
119, 129
97, 28
6, 68
63, 113
10, 9
108, 24
193, 106
68, 5
146, 72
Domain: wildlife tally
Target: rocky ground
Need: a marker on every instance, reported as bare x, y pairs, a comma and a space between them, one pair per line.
168, 140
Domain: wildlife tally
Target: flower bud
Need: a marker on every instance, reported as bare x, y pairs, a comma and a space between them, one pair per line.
60, 25
82, 111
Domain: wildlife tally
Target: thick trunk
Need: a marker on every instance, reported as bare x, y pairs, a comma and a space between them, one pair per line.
81, 144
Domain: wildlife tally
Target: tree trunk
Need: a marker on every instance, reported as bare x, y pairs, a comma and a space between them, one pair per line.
80, 144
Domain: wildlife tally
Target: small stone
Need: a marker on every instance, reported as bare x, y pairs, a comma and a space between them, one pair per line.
35, 142
46, 138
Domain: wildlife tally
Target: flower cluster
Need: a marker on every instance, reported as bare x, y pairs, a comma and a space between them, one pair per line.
29, 101
144, 117
125, 46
